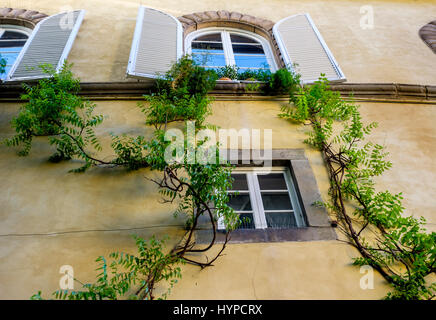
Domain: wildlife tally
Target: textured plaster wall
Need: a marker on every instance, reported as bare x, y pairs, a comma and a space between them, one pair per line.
390, 52
50, 217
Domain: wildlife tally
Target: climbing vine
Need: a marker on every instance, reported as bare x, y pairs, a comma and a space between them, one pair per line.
54, 109
117, 278
397, 246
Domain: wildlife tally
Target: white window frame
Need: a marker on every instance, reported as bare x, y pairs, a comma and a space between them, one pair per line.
20, 29
227, 44
254, 192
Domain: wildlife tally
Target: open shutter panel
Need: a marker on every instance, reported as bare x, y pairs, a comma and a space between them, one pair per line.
157, 43
49, 43
301, 43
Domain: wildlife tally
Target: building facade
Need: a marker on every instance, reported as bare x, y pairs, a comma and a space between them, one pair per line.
373, 49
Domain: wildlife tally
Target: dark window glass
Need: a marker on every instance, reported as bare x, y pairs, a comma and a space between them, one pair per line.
247, 49
280, 220
240, 202
11, 44
13, 35
241, 39
247, 221
214, 37
207, 47
239, 182
272, 181
276, 201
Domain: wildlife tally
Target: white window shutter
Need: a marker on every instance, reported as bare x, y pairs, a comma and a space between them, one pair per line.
301, 43
49, 43
156, 45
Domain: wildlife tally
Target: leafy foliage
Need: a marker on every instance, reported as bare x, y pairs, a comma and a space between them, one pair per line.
258, 75
55, 109
282, 81
130, 151
200, 188
186, 78
398, 247
181, 94
129, 276
228, 72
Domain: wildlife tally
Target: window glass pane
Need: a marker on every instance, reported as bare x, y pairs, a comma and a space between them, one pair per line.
208, 43
272, 181
207, 50
10, 49
11, 43
9, 57
239, 182
240, 202
210, 60
207, 47
247, 48
214, 37
13, 35
280, 220
251, 61
247, 221
241, 39
276, 201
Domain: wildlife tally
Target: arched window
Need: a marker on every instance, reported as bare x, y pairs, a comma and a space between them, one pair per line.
12, 40
222, 38
217, 47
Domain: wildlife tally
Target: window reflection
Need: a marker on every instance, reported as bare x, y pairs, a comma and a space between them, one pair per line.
223, 48
11, 43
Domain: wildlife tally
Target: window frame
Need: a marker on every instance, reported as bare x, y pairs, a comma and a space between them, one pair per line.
255, 194
319, 226
227, 44
15, 28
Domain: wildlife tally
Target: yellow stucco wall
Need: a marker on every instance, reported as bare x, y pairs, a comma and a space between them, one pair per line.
50, 217
391, 52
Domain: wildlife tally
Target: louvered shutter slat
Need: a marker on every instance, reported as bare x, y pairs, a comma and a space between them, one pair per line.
301, 43
49, 43
157, 43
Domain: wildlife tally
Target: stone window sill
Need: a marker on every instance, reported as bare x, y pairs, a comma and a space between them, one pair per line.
269, 235
318, 224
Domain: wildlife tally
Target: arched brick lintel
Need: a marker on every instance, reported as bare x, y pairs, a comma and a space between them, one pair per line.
200, 20
21, 17
428, 35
